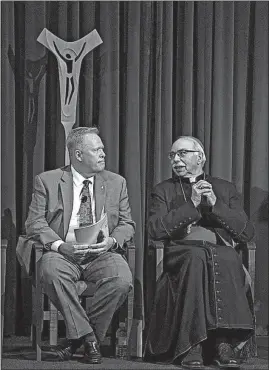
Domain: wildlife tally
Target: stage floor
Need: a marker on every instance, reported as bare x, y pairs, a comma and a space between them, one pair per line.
18, 354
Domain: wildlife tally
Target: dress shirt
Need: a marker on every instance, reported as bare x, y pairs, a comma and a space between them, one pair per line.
77, 188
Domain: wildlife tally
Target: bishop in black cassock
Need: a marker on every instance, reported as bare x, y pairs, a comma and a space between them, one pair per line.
202, 309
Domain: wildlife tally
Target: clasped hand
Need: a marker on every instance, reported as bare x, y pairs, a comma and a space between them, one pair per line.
203, 188
79, 252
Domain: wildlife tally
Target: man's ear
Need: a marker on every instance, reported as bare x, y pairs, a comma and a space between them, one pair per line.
200, 158
78, 155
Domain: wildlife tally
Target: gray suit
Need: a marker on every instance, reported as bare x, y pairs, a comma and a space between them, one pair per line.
48, 221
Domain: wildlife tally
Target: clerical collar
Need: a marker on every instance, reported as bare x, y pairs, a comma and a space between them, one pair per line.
190, 180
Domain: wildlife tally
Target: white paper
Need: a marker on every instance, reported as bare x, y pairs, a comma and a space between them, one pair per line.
88, 234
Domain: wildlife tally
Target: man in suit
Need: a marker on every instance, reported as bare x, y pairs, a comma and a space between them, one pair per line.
63, 200
201, 312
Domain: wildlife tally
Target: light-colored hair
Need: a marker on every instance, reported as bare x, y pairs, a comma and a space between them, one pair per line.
75, 137
198, 145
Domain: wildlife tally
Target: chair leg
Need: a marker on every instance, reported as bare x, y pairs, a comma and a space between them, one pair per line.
4, 243
130, 298
53, 324
38, 321
37, 314
129, 321
33, 335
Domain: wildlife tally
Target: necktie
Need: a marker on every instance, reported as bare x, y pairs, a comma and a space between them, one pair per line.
85, 209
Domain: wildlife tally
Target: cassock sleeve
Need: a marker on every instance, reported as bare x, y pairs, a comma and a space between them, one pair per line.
164, 223
232, 217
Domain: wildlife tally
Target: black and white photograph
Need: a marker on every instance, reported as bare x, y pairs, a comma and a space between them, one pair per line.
134, 185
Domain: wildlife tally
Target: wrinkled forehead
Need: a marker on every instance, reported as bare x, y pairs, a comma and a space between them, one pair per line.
183, 144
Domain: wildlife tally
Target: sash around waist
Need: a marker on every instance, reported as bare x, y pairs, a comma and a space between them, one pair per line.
201, 233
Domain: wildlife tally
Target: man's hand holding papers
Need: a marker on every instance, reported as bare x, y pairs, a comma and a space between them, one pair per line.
74, 252
93, 239
102, 246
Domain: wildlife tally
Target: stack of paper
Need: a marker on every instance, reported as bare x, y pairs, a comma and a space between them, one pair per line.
88, 234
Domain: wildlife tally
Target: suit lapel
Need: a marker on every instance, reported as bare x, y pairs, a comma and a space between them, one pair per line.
66, 185
100, 195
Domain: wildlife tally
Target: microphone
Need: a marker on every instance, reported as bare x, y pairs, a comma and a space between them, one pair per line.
84, 199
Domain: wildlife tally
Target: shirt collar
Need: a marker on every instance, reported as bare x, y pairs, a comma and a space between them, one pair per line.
192, 179
78, 178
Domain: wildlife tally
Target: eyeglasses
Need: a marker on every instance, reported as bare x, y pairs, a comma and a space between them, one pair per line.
181, 153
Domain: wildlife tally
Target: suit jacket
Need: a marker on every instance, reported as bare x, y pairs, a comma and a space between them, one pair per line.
52, 203
170, 214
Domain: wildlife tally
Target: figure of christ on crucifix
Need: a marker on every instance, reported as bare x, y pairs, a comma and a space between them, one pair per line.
69, 56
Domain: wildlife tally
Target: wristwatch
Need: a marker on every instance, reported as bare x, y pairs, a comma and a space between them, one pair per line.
48, 246
53, 246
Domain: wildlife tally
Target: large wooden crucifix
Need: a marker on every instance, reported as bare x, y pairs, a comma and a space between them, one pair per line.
69, 56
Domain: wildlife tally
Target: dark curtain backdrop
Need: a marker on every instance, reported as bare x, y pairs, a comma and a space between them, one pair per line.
164, 69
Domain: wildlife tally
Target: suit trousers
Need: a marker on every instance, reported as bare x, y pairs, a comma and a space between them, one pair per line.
112, 278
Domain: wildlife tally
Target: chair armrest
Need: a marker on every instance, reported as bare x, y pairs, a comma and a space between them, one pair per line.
249, 259
130, 254
249, 250
246, 246
251, 245
28, 253
130, 244
155, 244
38, 248
3, 243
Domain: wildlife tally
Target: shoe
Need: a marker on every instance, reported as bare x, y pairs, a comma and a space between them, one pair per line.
225, 358
194, 359
66, 352
192, 364
92, 354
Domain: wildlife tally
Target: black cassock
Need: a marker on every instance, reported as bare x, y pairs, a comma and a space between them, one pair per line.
203, 286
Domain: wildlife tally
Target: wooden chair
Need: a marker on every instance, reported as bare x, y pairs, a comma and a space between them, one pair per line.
39, 314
